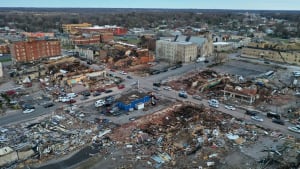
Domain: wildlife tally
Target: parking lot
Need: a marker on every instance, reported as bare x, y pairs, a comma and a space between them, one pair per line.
242, 68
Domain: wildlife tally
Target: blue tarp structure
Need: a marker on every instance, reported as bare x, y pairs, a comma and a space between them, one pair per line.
132, 104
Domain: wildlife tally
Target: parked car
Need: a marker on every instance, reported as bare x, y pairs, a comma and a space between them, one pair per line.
197, 97
89, 62
109, 99
84, 98
71, 95
183, 94
173, 68
99, 103
96, 93
129, 77
132, 118
213, 103
164, 70
257, 118
155, 72
278, 121
27, 106
46, 105
28, 111
156, 88
121, 86
100, 90
168, 88
251, 112
71, 101
229, 107
123, 73
294, 129
156, 84
65, 99
117, 113
85, 93
108, 91
178, 65
273, 115
13, 102
114, 110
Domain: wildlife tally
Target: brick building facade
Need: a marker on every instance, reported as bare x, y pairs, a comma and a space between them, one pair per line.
116, 30
92, 39
34, 50
95, 39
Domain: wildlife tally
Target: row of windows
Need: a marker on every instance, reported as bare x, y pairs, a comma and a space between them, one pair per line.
39, 45
38, 53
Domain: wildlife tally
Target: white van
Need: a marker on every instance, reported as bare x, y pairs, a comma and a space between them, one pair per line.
99, 103
200, 59
71, 95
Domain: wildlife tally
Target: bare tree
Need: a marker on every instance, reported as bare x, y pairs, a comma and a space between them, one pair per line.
219, 57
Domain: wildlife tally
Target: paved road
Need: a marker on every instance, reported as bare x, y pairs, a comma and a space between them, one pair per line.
146, 83
18, 116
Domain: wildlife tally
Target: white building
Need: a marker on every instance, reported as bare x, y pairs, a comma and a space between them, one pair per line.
223, 46
204, 43
87, 52
175, 52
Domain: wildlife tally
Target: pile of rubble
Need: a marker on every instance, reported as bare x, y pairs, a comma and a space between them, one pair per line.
188, 136
56, 135
195, 82
180, 136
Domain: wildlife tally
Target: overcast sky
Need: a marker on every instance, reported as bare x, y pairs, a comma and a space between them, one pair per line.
195, 4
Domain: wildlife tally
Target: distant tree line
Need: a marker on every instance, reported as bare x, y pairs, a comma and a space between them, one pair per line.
48, 19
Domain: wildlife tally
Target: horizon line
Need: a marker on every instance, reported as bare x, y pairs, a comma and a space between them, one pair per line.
155, 8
